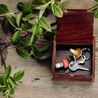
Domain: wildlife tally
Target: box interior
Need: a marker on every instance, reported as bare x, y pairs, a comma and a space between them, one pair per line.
62, 51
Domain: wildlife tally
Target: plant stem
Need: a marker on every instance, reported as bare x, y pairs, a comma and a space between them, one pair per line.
3, 61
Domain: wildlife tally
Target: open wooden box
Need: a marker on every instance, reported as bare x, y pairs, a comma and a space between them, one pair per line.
74, 30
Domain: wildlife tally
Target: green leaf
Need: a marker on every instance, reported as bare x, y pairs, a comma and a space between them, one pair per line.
42, 9
24, 42
1, 80
43, 47
95, 11
44, 57
26, 26
11, 93
12, 82
35, 51
33, 21
12, 22
38, 55
16, 36
44, 23
18, 75
96, 0
41, 12
29, 17
33, 34
25, 7
23, 53
8, 71
36, 29
18, 18
43, 6
57, 11
3, 9
34, 38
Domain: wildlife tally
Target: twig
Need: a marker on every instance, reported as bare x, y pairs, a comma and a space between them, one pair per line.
95, 6
2, 60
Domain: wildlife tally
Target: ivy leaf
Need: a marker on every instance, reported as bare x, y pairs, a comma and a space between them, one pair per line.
18, 75
57, 11
44, 23
3, 9
16, 36
8, 72
23, 53
18, 18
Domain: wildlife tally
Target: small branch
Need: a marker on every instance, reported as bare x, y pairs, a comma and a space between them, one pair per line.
95, 6
3, 61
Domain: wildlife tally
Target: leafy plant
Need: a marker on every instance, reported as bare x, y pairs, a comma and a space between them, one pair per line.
30, 24
8, 82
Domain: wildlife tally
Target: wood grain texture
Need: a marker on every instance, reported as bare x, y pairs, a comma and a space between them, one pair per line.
37, 82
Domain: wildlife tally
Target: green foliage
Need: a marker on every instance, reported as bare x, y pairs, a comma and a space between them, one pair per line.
57, 10
15, 36
37, 52
95, 11
42, 9
3, 9
96, 0
44, 23
18, 75
18, 18
30, 24
23, 52
8, 82
25, 7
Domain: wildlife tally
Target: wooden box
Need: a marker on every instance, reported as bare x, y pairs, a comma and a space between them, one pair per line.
74, 30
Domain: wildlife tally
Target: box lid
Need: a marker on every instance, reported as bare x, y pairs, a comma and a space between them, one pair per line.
75, 27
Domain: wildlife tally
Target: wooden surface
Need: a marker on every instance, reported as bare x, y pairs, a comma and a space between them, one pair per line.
37, 82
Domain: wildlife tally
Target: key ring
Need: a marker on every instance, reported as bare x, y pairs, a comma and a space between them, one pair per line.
86, 52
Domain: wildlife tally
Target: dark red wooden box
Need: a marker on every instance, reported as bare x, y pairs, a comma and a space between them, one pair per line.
74, 30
